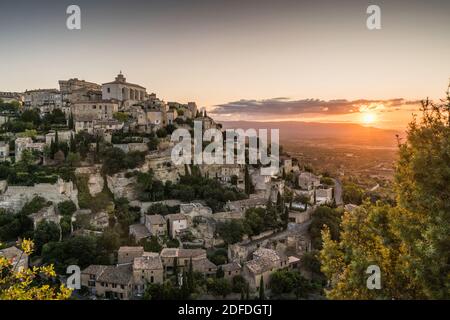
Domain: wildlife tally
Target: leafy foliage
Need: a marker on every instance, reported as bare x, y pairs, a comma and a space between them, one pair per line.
409, 242
36, 283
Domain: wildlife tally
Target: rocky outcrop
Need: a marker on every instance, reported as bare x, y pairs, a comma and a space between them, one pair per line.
95, 184
95, 180
122, 187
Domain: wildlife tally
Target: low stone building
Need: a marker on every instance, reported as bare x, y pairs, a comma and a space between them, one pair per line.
156, 224
127, 254
90, 275
308, 180
63, 136
147, 269
231, 270
139, 232
243, 205
27, 143
324, 195
263, 264
115, 282
177, 223
47, 214
183, 257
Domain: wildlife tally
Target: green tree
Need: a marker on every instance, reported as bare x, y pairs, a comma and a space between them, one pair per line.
67, 208
190, 277
46, 232
230, 231
71, 123
38, 283
219, 287
409, 242
352, 193
262, 295
324, 216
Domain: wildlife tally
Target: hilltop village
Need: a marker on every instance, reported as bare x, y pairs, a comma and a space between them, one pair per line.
86, 173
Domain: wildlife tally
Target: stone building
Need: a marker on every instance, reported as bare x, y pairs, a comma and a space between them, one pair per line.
308, 180
115, 282
73, 90
183, 257
27, 143
263, 264
63, 136
127, 254
147, 269
47, 214
155, 224
231, 270
127, 93
100, 110
177, 224
46, 100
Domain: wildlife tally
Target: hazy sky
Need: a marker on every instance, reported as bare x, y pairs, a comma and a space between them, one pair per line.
222, 52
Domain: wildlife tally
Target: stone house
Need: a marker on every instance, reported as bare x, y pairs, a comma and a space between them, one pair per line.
183, 257
324, 195
177, 223
308, 180
115, 282
63, 136
231, 270
27, 143
204, 266
156, 224
147, 269
127, 254
264, 263
99, 110
139, 232
90, 275
47, 214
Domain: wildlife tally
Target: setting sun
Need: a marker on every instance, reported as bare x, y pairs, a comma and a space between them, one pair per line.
369, 118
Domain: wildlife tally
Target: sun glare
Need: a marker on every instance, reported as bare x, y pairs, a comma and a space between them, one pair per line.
369, 118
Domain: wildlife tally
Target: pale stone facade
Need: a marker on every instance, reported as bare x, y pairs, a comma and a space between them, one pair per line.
63, 136
147, 269
123, 91
27, 143
127, 254
100, 110
44, 99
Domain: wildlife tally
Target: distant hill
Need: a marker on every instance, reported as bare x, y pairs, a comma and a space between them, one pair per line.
333, 133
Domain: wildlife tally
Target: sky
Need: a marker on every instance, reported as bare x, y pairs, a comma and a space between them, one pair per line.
250, 59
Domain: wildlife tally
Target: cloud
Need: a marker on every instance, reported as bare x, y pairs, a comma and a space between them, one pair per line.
284, 107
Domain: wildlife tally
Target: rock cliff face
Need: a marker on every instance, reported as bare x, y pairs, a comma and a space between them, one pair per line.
95, 184
95, 179
122, 187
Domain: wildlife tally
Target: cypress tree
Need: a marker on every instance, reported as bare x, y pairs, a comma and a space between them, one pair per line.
261, 289
71, 122
190, 277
